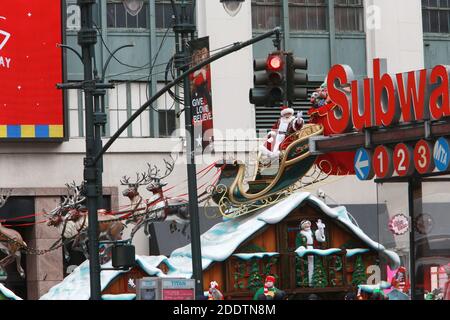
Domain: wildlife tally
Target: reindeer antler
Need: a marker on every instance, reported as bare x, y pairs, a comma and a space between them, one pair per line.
76, 198
153, 171
4, 195
141, 180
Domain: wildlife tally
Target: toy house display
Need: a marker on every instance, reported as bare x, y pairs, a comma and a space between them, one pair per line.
307, 246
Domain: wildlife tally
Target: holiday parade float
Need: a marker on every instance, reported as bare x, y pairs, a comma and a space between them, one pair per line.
285, 162
239, 254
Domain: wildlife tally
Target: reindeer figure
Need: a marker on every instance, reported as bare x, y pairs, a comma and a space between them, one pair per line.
72, 221
137, 205
11, 241
171, 209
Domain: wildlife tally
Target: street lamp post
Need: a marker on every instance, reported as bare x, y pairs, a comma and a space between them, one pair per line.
87, 38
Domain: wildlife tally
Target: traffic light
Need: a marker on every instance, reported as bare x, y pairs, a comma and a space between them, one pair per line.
271, 85
295, 80
280, 83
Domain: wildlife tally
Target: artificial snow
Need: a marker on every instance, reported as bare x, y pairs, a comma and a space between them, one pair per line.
355, 252
256, 255
302, 251
125, 296
383, 285
217, 245
8, 293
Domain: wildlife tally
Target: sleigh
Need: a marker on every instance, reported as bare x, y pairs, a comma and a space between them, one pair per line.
271, 182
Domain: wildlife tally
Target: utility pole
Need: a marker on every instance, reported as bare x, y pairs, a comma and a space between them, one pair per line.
87, 38
95, 119
184, 30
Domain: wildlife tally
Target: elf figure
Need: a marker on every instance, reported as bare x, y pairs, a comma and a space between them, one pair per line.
214, 292
269, 291
306, 238
400, 281
285, 126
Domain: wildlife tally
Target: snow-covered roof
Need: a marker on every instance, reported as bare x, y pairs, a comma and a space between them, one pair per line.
8, 293
217, 245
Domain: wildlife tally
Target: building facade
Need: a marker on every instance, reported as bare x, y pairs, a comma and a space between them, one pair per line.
410, 34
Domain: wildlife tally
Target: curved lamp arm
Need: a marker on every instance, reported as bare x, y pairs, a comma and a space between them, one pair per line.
71, 49
111, 56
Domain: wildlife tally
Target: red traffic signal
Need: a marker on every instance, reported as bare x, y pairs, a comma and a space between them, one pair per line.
274, 63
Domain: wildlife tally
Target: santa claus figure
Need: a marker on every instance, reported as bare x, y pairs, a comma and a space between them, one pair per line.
214, 292
400, 281
306, 239
285, 126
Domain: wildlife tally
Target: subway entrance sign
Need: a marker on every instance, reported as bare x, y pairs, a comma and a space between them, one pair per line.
401, 120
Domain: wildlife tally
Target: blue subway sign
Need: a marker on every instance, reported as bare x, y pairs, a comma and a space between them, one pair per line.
441, 154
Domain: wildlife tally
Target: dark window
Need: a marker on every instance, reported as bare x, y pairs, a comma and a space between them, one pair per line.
119, 16
166, 122
349, 15
164, 12
308, 15
266, 14
435, 16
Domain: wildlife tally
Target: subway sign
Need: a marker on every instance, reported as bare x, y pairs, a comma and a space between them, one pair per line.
405, 159
387, 100
31, 64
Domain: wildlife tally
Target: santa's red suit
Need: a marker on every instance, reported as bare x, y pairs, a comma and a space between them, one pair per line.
283, 128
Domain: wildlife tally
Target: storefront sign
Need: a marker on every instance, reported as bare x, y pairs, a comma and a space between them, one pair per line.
382, 162
30, 67
441, 154
403, 155
399, 225
387, 99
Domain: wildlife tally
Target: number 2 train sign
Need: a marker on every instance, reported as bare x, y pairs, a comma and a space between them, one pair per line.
403, 160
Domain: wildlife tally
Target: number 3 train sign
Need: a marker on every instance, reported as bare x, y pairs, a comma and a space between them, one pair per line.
403, 160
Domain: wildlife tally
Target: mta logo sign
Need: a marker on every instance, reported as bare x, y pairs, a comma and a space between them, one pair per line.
6, 35
441, 154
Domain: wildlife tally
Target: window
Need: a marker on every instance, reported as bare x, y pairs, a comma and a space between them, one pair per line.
164, 12
308, 15
123, 15
435, 15
266, 14
167, 123
349, 15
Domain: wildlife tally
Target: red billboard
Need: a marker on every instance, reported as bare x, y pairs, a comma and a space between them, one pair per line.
30, 67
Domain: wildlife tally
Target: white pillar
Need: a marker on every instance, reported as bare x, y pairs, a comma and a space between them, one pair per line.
394, 31
232, 76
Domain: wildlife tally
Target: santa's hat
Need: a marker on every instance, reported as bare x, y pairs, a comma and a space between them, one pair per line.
402, 270
268, 279
213, 284
285, 110
304, 222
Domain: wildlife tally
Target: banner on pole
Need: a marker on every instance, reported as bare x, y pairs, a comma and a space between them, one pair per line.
201, 99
